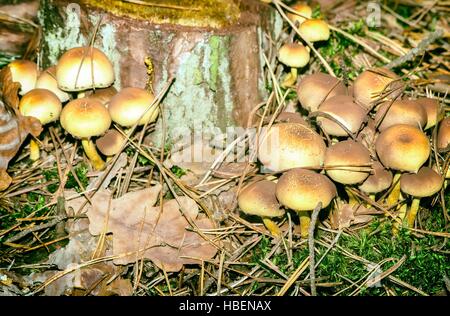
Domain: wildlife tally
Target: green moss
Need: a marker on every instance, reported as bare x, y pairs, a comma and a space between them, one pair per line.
203, 13
214, 44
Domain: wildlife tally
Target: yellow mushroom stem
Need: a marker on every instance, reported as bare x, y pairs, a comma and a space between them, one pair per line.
395, 193
352, 199
272, 227
413, 211
290, 79
92, 154
401, 216
305, 220
34, 150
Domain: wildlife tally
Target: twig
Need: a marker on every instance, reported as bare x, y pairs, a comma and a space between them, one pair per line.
22, 234
312, 270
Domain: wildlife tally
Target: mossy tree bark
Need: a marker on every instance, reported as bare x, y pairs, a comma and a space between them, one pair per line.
215, 57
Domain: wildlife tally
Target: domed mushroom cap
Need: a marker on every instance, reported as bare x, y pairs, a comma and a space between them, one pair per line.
290, 145
314, 30
433, 110
348, 156
344, 110
127, 107
84, 118
291, 117
83, 68
293, 55
103, 96
376, 84
379, 180
47, 80
443, 136
110, 143
316, 88
403, 147
41, 104
426, 182
258, 198
406, 112
24, 72
301, 190
301, 8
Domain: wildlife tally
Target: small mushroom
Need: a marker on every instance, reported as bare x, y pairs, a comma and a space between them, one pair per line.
43, 105
301, 190
47, 80
314, 30
258, 198
443, 136
291, 117
426, 182
378, 181
84, 118
303, 11
407, 112
103, 96
110, 143
293, 55
433, 110
314, 89
24, 72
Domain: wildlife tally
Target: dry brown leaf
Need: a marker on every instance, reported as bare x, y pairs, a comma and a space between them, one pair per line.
345, 216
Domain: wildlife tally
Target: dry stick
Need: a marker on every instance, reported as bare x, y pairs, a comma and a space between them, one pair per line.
22, 234
312, 270
421, 48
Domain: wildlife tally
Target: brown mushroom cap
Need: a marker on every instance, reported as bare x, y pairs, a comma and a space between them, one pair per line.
352, 156
25, 72
426, 182
368, 135
258, 198
302, 9
291, 117
344, 110
110, 143
369, 85
83, 68
403, 147
314, 30
290, 145
127, 107
379, 180
293, 55
41, 104
433, 110
47, 80
84, 118
301, 190
316, 88
443, 136
103, 96
406, 112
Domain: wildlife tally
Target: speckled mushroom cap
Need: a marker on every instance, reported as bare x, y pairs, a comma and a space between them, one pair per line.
103, 96
84, 118
291, 117
313, 89
371, 83
301, 8
350, 155
443, 136
83, 68
41, 104
379, 180
302, 189
344, 110
433, 110
290, 145
47, 80
314, 30
258, 198
110, 143
426, 182
403, 147
293, 55
127, 107
406, 112
24, 72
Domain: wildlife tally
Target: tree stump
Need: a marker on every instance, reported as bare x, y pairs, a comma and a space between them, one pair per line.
212, 48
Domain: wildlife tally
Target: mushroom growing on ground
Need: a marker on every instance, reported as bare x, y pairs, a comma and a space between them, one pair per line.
43, 105
47, 80
406, 112
24, 72
433, 110
104, 95
301, 190
443, 136
293, 55
84, 118
426, 182
258, 198
314, 30
110, 143
378, 181
303, 11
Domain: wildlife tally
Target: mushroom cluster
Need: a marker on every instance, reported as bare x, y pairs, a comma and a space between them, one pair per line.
294, 54
368, 141
79, 92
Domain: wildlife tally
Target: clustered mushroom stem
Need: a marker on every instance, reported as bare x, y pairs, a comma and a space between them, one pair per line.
413, 212
92, 154
352, 200
272, 227
305, 219
34, 150
395, 193
290, 79
401, 216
